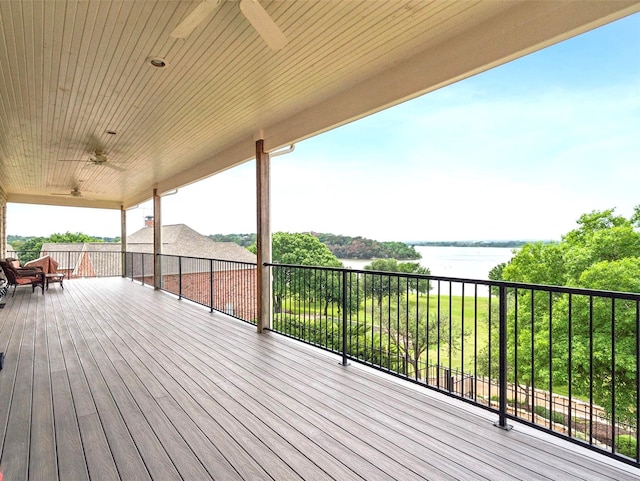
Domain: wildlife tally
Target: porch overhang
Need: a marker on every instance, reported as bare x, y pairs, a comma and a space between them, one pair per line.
78, 86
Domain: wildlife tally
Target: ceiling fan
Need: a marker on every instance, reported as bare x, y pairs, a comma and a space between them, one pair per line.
75, 192
97, 158
251, 9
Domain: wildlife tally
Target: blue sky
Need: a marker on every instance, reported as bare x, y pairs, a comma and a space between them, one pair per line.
518, 152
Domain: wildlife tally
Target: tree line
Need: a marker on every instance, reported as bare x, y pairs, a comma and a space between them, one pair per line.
342, 247
496, 243
28, 248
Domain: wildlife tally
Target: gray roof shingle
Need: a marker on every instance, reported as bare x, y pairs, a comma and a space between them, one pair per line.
177, 240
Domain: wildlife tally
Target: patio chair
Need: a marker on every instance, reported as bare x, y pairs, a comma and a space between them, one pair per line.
17, 276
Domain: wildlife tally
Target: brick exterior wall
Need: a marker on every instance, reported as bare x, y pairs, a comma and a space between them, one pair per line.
234, 291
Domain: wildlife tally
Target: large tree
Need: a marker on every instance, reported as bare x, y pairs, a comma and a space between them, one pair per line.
383, 285
304, 250
602, 252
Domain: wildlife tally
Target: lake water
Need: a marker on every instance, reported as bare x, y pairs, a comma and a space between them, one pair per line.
461, 262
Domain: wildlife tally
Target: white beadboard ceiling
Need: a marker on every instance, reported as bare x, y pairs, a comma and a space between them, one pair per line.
70, 71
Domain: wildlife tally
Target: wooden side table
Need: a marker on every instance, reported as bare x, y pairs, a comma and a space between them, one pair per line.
54, 277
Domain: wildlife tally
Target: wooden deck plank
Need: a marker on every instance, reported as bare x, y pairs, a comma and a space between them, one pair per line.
277, 467
345, 422
101, 464
70, 450
44, 465
15, 455
294, 436
70, 453
216, 444
215, 462
11, 331
161, 445
525, 473
332, 429
130, 383
128, 460
233, 403
121, 388
507, 464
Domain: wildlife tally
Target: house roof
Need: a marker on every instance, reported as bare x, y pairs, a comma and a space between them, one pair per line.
67, 255
182, 240
177, 240
87, 121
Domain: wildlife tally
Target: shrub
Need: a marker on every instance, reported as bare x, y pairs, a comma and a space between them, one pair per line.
626, 444
554, 416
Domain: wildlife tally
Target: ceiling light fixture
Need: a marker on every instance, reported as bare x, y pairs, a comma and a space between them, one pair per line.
157, 62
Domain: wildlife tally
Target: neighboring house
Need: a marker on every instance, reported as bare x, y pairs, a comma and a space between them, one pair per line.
88, 259
230, 277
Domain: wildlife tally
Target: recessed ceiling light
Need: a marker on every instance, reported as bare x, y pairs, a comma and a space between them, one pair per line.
157, 62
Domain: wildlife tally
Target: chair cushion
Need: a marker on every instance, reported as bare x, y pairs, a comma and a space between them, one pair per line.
27, 280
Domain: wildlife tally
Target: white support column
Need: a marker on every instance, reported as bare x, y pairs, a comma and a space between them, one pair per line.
263, 178
123, 240
157, 239
3, 224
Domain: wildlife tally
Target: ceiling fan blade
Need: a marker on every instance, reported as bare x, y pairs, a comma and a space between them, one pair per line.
112, 166
195, 18
263, 23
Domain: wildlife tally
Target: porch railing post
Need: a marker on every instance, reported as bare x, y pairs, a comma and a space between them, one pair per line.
344, 317
179, 277
211, 283
502, 341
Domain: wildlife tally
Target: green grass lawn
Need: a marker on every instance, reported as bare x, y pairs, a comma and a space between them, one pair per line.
466, 316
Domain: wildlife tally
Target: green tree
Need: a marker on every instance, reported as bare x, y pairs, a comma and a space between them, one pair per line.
602, 252
379, 286
303, 250
31, 248
411, 333
591, 322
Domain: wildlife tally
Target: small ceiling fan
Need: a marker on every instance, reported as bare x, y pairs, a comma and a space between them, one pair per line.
97, 158
75, 192
251, 9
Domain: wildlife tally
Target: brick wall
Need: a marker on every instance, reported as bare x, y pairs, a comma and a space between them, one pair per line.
234, 291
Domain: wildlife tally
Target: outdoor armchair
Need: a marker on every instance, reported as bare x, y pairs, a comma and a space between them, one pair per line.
17, 276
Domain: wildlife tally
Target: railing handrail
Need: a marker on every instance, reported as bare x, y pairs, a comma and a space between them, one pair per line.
632, 296
253, 264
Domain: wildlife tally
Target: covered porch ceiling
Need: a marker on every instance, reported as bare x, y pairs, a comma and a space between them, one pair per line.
85, 120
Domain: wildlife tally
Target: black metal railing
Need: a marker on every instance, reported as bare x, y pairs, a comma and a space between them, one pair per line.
221, 285
560, 359
139, 267
79, 263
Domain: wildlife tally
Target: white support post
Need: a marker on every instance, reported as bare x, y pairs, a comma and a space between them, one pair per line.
157, 239
264, 236
123, 240
3, 224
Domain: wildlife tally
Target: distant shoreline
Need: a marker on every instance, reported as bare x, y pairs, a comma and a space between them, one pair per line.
508, 243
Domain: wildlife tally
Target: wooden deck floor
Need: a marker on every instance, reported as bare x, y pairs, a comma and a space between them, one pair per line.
111, 380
